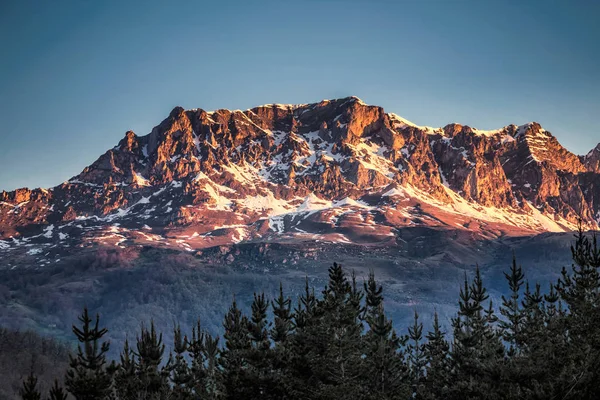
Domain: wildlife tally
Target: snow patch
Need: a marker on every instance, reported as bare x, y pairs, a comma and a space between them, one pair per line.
277, 224
48, 231
139, 180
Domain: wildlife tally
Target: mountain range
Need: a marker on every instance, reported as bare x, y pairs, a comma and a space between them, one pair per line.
168, 226
337, 171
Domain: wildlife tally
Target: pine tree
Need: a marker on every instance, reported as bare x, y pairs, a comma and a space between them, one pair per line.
212, 385
384, 371
373, 298
340, 331
197, 351
553, 304
580, 290
180, 374
326, 346
477, 350
307, 303
150, 350
126, 381
259, 356
57, 392
282, 324
528, 371
234, 355
88, 377
416, 354
436, 352
511, 310
29, 389
299, 374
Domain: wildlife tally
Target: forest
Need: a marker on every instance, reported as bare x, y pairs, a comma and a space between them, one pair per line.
341, 344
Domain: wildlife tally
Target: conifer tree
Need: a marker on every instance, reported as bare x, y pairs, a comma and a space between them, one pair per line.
306, 307
436, 352
57, 392
282, 324
197, 351
477, 349
340, 329
416, 354
180, 374
489, 347
29, 390
88, 377
553, 305
305, 346
280, 333
150, 350
533, 317
373, 296
511, 310
580, 290
234, 355
126, 381
260, 379
212, 386
384, 371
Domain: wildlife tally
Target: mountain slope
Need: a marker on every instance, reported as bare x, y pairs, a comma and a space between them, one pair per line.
337, 171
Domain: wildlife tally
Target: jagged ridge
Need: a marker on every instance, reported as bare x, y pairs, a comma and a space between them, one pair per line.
337, 170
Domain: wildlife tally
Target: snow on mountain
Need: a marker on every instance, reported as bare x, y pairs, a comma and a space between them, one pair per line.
338, 170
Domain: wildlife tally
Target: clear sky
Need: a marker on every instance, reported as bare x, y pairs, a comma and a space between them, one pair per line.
75, 75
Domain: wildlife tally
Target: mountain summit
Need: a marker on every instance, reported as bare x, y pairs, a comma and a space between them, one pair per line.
338, 170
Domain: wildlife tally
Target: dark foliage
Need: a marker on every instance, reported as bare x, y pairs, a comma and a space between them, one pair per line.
342, 345
20, 351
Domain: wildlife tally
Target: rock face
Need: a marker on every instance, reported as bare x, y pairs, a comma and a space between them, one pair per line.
592, 160
338, 170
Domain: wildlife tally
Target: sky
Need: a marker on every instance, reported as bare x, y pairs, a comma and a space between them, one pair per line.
76, 75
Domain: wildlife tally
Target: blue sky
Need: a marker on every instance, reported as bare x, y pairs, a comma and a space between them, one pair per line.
75, 75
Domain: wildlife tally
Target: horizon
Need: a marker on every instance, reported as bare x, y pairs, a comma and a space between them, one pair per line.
109, 69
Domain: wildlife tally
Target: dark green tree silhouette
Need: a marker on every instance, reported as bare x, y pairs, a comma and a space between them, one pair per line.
153, 378
385, 374
57, 392
282, 324
436, 352
126, 380
180, 374
234, 361
88, 376
29, 390
511, 310
259, 355
416, 354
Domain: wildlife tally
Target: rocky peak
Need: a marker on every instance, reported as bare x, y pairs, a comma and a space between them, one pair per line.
330, 166
129, 142
542, 147
592, 160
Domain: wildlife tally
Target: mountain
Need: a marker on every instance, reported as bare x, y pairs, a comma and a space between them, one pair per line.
337, 171
169, 225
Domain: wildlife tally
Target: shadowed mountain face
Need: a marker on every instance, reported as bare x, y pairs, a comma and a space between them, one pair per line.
169, 225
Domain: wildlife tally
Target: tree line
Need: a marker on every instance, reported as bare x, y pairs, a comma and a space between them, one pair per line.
340, 344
